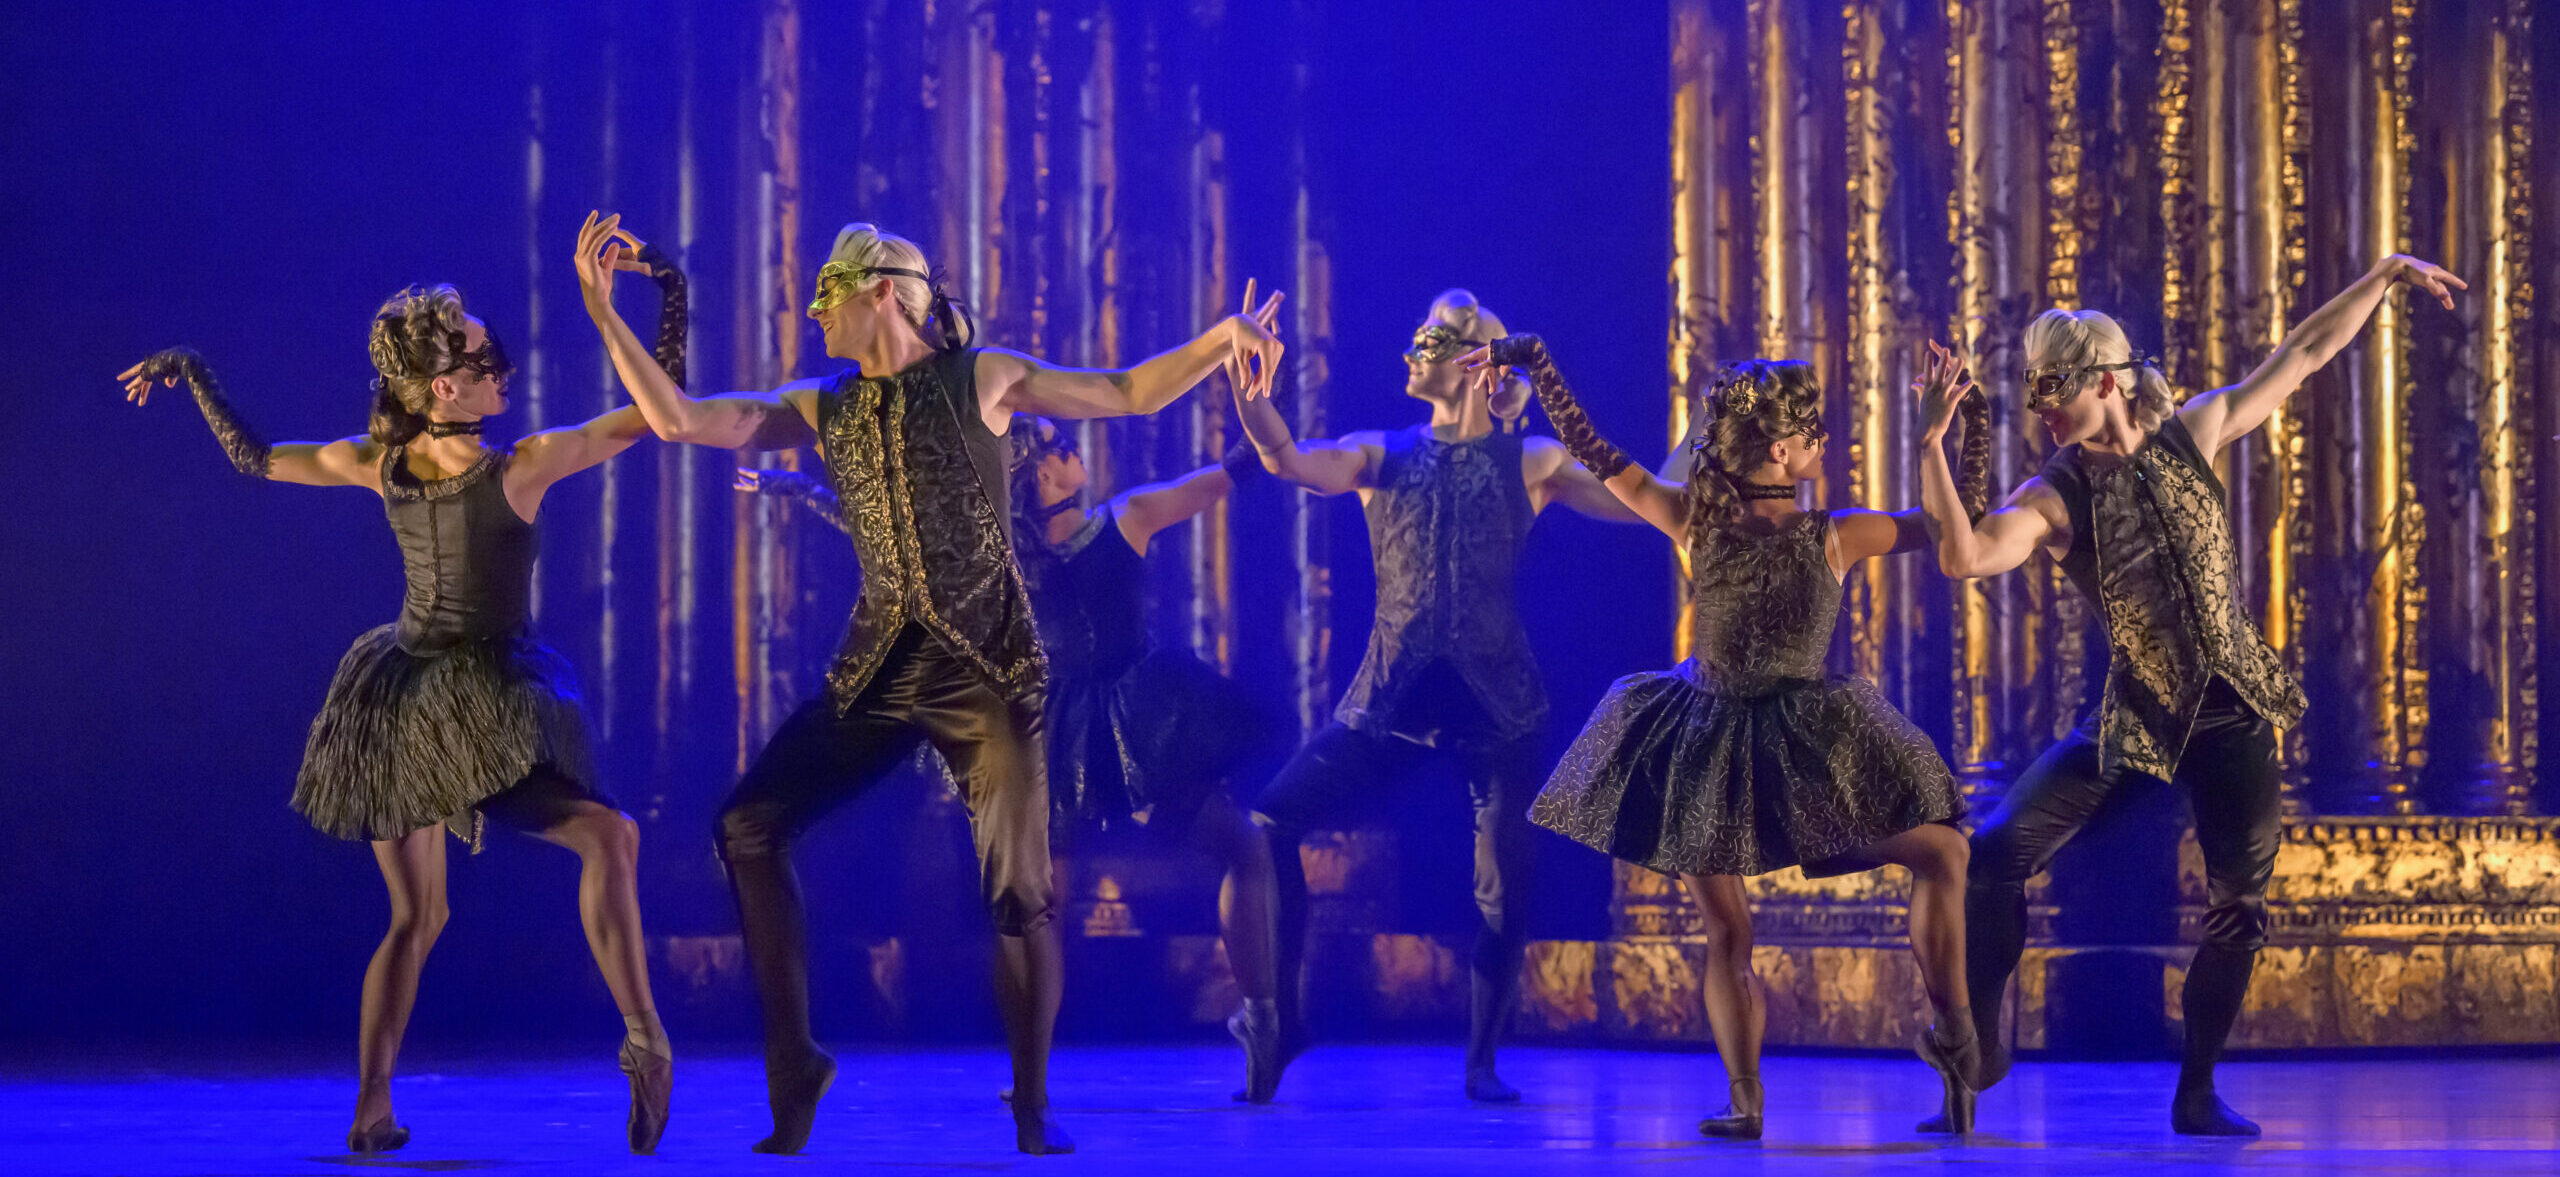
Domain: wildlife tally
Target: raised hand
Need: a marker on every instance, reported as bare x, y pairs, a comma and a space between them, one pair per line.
166, 367
605, 247
1253, 345
2427, 275
1943, 384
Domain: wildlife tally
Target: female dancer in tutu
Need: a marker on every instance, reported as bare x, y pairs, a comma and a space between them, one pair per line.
1747, 758
456, 713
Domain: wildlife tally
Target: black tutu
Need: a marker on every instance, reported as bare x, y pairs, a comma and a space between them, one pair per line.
405, 740
1157, 740
1671, 777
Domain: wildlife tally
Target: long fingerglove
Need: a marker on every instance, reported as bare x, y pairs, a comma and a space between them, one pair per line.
673, 312
812, 493
1528, 352
248, 452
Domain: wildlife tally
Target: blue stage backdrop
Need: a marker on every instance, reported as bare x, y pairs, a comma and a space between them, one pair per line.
1101, 177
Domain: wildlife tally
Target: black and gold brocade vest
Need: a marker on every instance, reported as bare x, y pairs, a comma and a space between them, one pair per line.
2151, 547
1447, 522
921, 482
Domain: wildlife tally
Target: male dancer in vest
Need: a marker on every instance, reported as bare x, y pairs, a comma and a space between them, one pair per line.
2130, 508
1448, 669
941, 646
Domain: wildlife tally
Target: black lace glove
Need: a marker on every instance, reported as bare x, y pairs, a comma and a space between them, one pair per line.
1529, 353
812, 493
673, 312
1243, 463
248, 452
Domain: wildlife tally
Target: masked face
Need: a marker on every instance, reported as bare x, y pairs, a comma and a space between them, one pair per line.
477, 382
1432, 371
2070, 400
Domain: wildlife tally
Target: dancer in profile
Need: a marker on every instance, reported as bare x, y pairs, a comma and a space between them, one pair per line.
1748, 758
941, 647
1448, 669
457, 714
2130, 507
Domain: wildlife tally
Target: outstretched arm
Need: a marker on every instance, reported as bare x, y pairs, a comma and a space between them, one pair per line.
1011, 382
740, 420
792, 484
1659, 503
348, 461
2218, 417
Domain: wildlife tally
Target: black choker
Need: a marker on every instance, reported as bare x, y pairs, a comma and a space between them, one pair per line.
1755, 490
453, 428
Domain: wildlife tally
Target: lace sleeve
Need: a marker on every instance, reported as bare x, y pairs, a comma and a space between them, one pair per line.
673, 313
1243, 464
248, 452
1572, 428
812, 493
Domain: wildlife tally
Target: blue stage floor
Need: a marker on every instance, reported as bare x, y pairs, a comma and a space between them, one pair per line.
1346, 1110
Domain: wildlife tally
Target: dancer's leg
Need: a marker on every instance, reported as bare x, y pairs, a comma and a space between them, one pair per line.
1246, 916
1322, 783
2231, 776
1247, 919
1936, 857
819, 759
413, 872
994, 751
607, 844
1731, 993
2059, 794
1502, 778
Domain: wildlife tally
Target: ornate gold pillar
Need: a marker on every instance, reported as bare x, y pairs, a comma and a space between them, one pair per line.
2491, 215
767, 351
1996, 221
1715, 305
1310, 380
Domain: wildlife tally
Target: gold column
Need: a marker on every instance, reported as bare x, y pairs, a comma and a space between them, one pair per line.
1996, 53
768, 350
1310, 379
1880, 335
1213, 287
2390, 522
2267, 264
2499, 569
1713, 224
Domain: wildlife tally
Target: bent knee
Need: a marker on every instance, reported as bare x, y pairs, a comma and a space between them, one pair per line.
418, 926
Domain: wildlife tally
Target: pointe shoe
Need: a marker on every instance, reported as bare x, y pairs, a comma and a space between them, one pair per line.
379, 1136
1956, 1066
1258, 1032
1734, 1123
652, 1078
1292, 1045
2202, 1113
1035, 1134
794, 1089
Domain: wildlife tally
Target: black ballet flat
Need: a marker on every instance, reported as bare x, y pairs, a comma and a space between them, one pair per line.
652, 1078
1035, 1134
380, 1136
1733, 1123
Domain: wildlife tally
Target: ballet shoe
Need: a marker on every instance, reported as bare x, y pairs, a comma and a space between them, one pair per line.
1734, 1123
1035, 1134
652, 1078
1956, 1065
1483, 1086
2200, 1112
1258, 1032
379, 1136
794, 1089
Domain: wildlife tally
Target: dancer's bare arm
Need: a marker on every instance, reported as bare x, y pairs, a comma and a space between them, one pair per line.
1665, 505
784, 418
348, 461
1011, 382
1143, 511
553, 454
1863, 534
2217, 418
1325, 467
